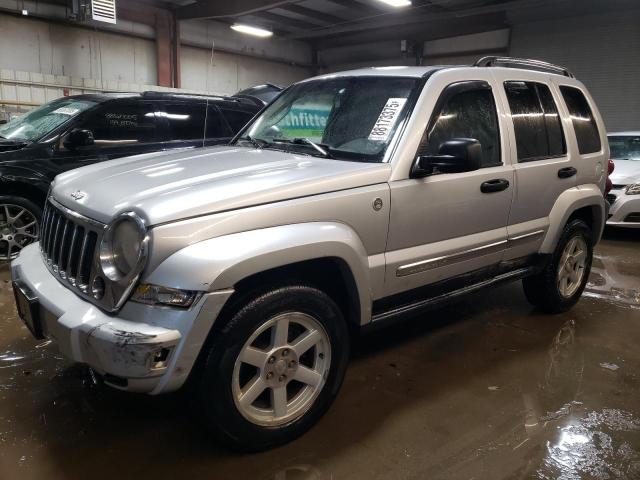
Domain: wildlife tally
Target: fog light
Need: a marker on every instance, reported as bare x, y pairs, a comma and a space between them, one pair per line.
159, 359
158, 295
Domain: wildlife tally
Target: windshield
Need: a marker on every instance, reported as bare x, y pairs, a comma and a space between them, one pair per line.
345, 118
40, 121
625, 147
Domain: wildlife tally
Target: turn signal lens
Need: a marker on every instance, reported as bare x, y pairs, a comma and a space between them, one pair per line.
158, 295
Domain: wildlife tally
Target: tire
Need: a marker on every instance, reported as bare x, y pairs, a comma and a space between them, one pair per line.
547, 290
17, 229
250, 424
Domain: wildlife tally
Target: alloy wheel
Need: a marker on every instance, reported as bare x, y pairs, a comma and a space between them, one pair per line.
18, 228
281, 369
571, 268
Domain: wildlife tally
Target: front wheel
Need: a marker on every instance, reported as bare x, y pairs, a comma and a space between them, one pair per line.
559, 286
274, 368
19, 225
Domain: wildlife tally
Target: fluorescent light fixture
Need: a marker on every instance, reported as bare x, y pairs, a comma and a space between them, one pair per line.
249, 30
397, 3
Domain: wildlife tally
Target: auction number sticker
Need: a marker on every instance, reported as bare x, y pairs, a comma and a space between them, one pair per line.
387, 119
66, 110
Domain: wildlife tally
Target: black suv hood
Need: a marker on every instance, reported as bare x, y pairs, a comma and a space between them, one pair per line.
7, 145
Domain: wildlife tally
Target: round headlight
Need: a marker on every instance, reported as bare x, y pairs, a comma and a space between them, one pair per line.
122, 246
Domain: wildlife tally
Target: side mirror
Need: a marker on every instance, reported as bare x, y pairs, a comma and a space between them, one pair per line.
78, 138
454, 156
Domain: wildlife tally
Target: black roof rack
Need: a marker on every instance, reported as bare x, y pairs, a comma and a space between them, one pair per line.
526, 63
163, 95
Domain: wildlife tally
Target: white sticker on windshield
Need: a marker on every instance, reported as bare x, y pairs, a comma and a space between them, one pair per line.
387, 119
66, 111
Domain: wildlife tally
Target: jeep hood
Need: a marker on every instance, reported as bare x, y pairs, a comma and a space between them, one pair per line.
626, 172
168, 186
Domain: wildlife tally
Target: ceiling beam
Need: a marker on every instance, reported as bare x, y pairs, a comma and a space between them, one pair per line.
286, 23
313, 16
417, 15
235, 8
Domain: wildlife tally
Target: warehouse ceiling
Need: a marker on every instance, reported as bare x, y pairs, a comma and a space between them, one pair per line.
329, 23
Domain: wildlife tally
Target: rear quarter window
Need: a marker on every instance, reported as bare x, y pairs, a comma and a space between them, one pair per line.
583, 121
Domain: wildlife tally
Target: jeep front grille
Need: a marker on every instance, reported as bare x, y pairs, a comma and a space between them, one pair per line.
70, 247
68, 244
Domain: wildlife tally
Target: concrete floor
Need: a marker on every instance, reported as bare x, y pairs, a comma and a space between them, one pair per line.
484, 389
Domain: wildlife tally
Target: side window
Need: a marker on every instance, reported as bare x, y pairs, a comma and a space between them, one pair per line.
185, 120
535, 120
216, 125
236, 118
470, 113
119, 123
582, 118
552, 123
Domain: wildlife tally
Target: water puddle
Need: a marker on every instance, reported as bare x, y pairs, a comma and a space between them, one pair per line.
615, 278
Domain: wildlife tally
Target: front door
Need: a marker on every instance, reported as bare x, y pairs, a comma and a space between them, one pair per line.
120, 128
447, 224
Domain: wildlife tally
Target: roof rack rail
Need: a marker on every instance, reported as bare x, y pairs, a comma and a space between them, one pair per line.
159, 94
526, 63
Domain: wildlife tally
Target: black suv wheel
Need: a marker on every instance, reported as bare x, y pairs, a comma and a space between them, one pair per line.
19, 225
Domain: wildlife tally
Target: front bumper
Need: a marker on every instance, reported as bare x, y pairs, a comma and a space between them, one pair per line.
123, 347
622, 210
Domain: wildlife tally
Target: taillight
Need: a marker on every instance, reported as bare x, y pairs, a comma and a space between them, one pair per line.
611, 166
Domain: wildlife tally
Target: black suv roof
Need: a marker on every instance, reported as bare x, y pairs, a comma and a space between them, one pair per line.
152, 95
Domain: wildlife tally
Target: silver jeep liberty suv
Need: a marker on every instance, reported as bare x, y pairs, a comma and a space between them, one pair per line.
353, 198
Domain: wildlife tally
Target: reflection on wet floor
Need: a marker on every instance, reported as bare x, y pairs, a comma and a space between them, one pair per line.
615, 271
485, 389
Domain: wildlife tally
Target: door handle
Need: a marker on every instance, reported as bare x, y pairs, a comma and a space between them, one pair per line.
567, 172
495, 185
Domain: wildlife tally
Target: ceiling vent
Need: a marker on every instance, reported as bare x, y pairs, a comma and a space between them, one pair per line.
103, 10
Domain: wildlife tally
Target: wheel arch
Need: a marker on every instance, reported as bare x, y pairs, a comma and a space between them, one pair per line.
585, 202
20, 188
325, 254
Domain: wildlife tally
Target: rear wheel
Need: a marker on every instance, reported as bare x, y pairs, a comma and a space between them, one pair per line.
274, 368
559, 286
19, 225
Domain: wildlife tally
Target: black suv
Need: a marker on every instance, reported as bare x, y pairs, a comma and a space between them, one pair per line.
74, 131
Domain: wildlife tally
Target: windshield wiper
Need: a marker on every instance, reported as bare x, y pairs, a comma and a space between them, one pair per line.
256, 142
322, 149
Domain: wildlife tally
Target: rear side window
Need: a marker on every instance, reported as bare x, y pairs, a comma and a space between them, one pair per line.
583, 122
467, 114
236, 118
535, 120
217, 127
184, 120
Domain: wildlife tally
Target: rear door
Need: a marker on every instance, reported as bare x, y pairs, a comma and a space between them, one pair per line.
543, 168
184, 122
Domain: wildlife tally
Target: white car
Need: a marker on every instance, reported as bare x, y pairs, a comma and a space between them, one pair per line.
625, 195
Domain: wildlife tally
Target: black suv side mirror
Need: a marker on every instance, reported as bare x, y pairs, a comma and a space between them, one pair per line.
454, 156
78, 138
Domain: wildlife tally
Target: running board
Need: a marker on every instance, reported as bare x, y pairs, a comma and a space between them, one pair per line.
428, 303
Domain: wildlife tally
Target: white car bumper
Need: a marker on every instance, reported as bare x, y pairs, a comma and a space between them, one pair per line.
625, 209
125, 347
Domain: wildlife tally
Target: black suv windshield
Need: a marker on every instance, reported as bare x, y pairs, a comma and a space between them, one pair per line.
345, 118
625, 147
42, 120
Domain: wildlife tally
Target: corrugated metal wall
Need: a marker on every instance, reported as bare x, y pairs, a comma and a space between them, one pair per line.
603, 51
